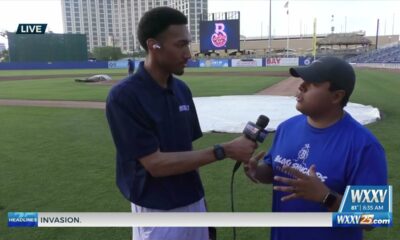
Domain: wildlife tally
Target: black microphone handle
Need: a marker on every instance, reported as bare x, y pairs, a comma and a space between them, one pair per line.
238, 163
237, 166
262, 122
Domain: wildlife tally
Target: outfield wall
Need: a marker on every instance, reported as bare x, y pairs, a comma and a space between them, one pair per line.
378, 65
53, 65
193, 63
121, 64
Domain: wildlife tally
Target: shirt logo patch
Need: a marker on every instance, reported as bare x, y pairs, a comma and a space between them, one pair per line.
303, 153
299, 163
184, 108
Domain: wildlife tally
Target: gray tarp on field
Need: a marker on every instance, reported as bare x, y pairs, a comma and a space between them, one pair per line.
231, 113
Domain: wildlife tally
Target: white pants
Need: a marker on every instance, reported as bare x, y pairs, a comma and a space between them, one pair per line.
171, 233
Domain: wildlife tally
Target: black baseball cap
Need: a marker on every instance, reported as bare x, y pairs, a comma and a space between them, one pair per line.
332, 69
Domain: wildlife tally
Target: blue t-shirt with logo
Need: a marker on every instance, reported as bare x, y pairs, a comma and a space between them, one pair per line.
345, 153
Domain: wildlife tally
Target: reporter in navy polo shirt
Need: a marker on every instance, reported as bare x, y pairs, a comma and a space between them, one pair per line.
153, 122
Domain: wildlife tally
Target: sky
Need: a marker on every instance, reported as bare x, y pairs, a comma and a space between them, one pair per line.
344, 15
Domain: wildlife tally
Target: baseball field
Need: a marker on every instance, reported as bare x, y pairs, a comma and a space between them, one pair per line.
60, 159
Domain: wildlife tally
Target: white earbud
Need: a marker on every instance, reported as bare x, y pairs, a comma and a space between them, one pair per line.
156, 46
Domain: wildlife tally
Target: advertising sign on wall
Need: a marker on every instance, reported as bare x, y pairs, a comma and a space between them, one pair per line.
277, 61
304, 61
252, 62
214, 63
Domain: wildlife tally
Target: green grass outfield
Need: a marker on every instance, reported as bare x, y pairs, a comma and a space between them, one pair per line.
67, 89
124, 71
59, 160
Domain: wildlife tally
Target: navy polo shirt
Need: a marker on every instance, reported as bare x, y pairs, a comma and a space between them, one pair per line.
144, 117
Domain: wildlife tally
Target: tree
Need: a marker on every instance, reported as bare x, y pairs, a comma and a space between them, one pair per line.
107, 53
4, 56
90, 54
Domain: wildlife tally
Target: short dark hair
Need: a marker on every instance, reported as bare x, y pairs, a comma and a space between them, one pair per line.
156, 21
333, 87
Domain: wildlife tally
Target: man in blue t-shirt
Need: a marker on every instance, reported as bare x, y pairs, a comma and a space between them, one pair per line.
153, 122
314, 156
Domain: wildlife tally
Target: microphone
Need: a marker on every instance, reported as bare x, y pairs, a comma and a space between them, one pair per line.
256, 132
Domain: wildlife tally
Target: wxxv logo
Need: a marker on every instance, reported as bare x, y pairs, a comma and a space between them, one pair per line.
368, 195
31, 28
349, 220
365, 205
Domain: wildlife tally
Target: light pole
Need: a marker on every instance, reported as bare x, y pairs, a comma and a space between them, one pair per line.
244, 45
269, 39
288, 26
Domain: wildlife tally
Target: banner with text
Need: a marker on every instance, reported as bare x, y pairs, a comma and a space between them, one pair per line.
282, 61
214, 63
118, 64
305, 61
361, 206
251, 62
167, 219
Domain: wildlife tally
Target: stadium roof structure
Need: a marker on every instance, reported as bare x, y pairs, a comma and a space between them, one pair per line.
344, 39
